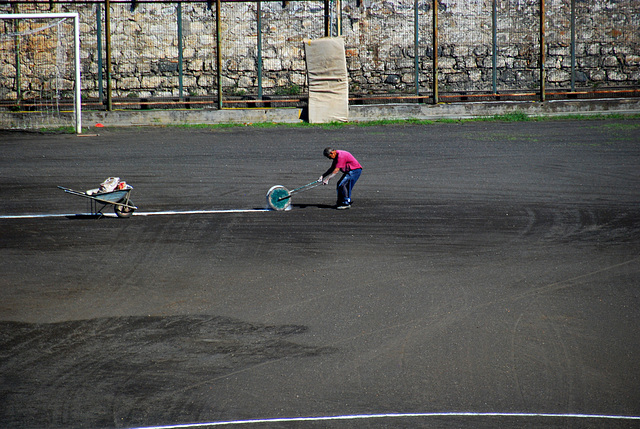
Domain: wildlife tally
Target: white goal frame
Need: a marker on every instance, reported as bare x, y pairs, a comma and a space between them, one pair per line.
76, 37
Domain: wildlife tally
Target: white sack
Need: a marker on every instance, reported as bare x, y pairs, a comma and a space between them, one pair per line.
328, 80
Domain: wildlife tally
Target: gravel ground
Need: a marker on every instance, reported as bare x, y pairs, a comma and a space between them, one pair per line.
485, 267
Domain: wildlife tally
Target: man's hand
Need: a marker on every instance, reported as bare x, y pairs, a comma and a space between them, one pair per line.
325, 179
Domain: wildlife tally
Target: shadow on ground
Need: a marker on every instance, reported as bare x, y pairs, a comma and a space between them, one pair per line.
169, 361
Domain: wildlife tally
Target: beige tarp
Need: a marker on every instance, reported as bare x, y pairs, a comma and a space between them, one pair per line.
328, 80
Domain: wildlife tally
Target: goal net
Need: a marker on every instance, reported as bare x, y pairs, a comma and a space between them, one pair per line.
40, 70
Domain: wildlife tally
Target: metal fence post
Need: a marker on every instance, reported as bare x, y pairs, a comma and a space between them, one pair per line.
573, 45
78, 85
218, 53
327, 19
99, 49
180, 67
494, 49
543, 77
16, 29
107, 31
338, 18
435, 51
259, 47
416, 41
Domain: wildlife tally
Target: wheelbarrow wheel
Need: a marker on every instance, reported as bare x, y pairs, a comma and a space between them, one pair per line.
123, 211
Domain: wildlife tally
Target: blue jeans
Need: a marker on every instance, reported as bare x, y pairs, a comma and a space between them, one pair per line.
345, 185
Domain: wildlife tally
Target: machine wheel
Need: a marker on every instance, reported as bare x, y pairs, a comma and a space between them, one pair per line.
278, 198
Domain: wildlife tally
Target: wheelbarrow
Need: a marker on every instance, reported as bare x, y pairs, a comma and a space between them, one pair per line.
119, 199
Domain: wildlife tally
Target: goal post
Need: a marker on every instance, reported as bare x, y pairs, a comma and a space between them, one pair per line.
33, 51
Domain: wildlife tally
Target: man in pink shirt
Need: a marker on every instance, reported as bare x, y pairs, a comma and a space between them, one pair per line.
346, 163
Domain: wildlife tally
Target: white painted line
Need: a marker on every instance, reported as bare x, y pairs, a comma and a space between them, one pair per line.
391, 415
164, 213
188, 212
36, 216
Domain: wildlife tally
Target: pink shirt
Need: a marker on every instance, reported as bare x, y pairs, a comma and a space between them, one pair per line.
345, 161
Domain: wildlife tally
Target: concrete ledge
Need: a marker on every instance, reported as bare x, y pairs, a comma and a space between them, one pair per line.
123, 118
469, 110
357, 113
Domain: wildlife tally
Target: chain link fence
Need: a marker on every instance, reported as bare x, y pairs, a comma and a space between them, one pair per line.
199, 53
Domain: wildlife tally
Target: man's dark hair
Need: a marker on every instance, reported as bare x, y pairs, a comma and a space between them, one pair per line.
327, 151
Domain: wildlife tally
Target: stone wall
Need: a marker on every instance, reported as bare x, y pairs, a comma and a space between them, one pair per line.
380, 40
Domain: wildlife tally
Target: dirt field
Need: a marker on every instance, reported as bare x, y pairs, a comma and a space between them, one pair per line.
484, 268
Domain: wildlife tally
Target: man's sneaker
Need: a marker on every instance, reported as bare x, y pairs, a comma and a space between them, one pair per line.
343, 206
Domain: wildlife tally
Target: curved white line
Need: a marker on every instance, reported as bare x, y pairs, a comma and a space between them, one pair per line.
390, 415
